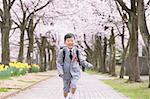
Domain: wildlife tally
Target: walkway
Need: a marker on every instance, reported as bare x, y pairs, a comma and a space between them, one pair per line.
89, 87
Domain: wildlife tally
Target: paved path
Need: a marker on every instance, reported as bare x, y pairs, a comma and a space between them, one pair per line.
89, 87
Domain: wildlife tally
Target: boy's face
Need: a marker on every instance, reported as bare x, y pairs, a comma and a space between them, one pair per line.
69, 42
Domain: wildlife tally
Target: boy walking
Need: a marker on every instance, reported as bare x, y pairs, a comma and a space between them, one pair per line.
68, 61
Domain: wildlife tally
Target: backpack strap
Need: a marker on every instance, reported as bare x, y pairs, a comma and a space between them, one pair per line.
64, 53
77, 53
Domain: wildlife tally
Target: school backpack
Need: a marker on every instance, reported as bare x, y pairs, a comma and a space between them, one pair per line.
77, 53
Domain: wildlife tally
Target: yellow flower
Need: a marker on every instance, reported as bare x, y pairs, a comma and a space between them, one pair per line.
22, 66
2, 67
29, 66
35, 65
6, 67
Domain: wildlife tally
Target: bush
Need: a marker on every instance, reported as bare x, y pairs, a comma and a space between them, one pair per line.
4, 74
35, 68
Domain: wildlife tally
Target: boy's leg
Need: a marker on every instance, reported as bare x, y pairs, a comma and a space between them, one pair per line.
73, 86
66, 87
73, 90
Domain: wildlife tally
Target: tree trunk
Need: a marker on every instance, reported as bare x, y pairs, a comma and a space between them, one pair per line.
42, 53
98, 53
30, 33
113, 72
45, 60
149, 58
104, 70
90, 53
95, 57
122, 71
110, 57
5, 45
134, 71
21, 47
124, 53
112, 54
132, 24
6, 24
53, 62
49, 58
144, 31
30, 48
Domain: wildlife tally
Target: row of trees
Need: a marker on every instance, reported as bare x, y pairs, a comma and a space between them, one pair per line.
133, 19
26, 18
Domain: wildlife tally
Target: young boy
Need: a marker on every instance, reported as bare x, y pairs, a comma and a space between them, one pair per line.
68, 67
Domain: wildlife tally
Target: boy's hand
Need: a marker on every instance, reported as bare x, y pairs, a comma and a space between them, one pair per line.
90, 66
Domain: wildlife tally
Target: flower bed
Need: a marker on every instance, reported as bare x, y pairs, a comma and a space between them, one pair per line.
17, 69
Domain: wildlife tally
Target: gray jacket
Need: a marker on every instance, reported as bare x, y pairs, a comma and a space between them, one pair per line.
70, 68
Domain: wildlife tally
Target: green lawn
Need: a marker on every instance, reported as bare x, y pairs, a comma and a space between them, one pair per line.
4, 89
133, 90
5, 78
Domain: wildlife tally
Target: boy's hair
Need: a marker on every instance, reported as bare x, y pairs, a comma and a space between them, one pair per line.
69, 35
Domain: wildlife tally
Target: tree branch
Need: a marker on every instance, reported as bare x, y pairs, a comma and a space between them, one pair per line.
11, 4
13, 32
38, 42
22, 6
123, 5
1, 13
37, 4
40, 8
120, 11
16, 23
17, 18
36, 23
88, 47
148, 3
0, 24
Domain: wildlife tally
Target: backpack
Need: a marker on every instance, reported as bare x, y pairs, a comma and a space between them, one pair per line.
77, 53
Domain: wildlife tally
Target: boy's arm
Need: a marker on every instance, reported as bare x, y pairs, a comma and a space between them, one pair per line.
84, 63
60, 63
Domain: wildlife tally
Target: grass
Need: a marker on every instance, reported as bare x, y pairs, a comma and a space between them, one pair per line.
91, 71
5, 78
133, 90
4, 89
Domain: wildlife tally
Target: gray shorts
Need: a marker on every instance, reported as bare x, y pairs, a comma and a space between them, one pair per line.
69, 83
